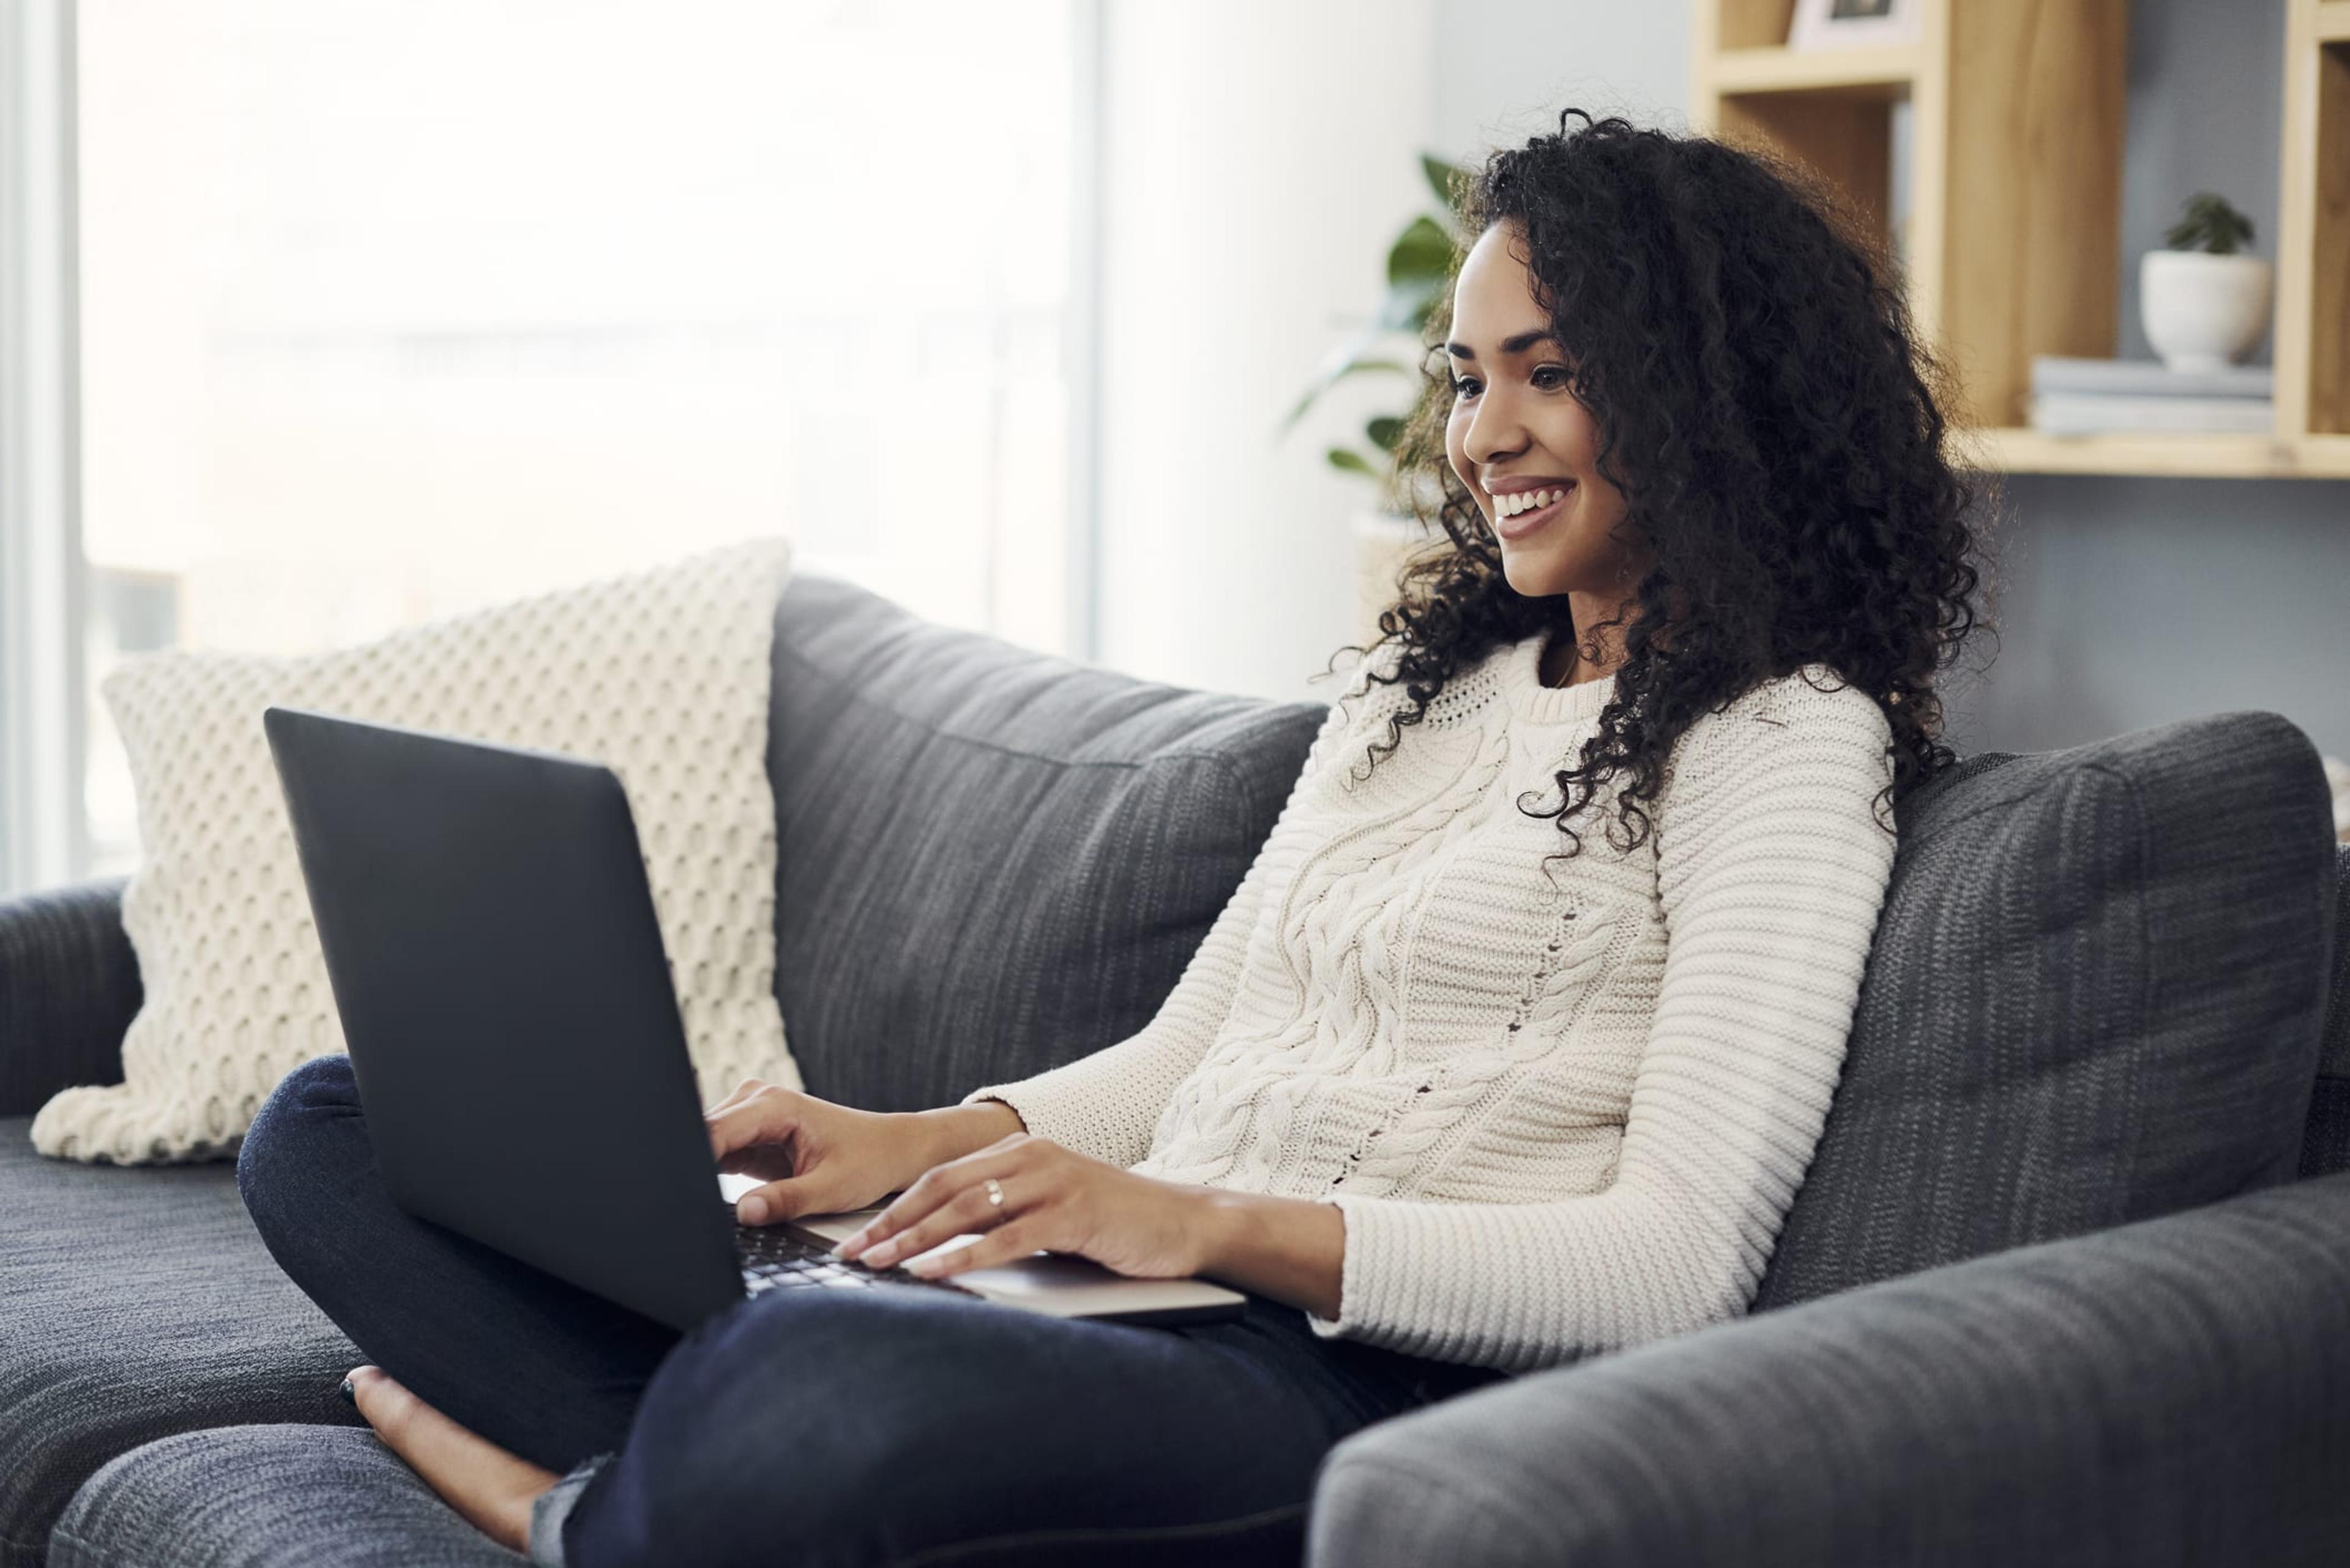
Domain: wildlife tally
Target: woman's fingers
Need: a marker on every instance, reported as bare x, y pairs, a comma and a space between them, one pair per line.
764, 1114
1007, 1243
725, 1100
740, 1092
785, 1200
946, 1200
968, 1211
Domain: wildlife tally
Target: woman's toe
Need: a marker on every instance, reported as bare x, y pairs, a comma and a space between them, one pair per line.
379, 1397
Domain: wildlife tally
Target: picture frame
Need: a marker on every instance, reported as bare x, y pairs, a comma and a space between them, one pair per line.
1852, 24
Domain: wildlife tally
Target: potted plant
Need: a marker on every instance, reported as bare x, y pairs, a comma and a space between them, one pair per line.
2203, 303
1420, 265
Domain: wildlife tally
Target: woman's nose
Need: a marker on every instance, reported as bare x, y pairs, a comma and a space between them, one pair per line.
1494, 431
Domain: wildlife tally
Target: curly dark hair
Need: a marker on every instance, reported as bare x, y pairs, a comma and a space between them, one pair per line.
1775, 427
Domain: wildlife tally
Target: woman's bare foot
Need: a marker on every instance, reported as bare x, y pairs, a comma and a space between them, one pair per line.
491, 1487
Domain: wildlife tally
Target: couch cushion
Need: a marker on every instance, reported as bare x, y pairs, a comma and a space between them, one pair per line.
2094, 996
267, 1497
993, 861
135, 1304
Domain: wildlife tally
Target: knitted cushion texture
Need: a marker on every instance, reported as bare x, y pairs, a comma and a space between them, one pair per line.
662, 676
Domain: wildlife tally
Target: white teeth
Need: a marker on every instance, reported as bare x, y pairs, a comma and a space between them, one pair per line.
1525, 500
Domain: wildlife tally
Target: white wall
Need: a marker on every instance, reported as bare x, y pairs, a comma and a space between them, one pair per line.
1504, 68
1258, 160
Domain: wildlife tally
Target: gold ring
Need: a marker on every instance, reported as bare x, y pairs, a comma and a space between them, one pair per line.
994, 1193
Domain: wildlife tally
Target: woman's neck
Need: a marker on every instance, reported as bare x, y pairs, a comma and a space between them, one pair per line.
1560, 661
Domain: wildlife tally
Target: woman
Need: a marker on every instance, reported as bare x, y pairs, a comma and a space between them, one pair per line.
1444, 1109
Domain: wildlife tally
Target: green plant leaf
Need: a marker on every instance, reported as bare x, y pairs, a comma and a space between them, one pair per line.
1352, 357
1441, 176
2209, 224
1383, 431
1419, 266
1421, 256
1352, 462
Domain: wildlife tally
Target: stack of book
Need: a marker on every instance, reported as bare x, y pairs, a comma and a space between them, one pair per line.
2090, 397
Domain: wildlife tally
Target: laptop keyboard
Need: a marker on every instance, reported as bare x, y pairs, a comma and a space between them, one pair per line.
774, 1259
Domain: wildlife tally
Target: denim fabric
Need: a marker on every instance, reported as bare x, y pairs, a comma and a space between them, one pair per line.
536, 1366
889, 1425
549, 1514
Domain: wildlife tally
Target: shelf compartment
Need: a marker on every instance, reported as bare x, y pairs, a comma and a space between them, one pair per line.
1747, 24
2031, 212
1879, 73
1845, 138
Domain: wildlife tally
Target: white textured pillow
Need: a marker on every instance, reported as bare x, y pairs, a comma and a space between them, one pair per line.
662, 676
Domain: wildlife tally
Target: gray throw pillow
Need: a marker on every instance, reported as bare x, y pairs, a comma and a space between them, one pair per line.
2094, 996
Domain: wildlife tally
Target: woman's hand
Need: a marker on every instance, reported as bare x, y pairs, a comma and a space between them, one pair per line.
817, 1157
1054, 1199
827, 1159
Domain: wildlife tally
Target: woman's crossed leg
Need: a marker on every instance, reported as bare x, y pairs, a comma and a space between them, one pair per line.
816, 1426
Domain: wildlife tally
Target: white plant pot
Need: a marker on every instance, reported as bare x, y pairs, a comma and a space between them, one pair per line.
2200, 310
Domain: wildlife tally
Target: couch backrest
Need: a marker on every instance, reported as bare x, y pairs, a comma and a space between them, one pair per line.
991, 861
2096, 994
2327, 1148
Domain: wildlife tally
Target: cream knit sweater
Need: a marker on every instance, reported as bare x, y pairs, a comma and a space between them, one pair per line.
1563, 1115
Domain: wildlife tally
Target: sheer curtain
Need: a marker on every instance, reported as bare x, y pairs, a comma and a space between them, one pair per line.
394, 307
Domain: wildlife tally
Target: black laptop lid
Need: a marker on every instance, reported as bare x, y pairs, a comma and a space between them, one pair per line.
492, 944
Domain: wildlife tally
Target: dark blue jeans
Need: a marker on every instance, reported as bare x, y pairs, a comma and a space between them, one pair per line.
826, 1426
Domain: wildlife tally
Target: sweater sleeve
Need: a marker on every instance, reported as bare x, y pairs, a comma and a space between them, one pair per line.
1107, 1105
1771, 868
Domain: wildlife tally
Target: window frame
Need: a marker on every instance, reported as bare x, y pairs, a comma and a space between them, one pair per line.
43, 836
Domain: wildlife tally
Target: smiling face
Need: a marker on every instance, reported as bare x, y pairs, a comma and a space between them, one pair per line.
1517, 433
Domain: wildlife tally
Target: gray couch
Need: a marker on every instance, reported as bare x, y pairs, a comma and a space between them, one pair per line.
2068, 1281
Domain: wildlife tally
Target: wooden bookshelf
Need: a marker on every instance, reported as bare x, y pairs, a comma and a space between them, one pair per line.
2179, 454
2312, 321
2011, 245
1882, 73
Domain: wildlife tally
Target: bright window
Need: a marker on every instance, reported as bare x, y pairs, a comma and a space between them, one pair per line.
392, 309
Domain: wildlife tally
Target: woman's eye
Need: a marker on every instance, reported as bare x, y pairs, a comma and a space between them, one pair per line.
1466, 386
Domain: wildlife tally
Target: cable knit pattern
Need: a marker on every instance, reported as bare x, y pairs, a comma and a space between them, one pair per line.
1564, 1109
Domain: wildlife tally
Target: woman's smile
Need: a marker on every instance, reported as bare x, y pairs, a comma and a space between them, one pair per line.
1518, 524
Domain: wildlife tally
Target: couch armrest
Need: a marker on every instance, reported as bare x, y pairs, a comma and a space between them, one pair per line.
2171, 1392
69, 989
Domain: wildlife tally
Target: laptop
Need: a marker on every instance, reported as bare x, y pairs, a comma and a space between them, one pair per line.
491, 946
